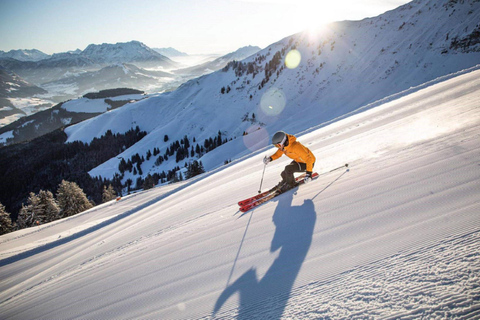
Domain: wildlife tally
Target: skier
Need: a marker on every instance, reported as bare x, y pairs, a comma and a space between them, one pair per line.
303, 159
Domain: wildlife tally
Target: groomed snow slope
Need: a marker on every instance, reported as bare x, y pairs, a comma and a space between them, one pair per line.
395, 237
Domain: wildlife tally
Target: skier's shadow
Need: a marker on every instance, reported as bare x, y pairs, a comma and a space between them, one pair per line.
293, 236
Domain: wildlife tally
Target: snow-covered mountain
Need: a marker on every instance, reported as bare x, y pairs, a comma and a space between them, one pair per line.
395, 237
346, 66
93, 58
128, 52
24, 55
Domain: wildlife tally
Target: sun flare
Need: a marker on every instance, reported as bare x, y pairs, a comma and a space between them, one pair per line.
293, 59
313, 15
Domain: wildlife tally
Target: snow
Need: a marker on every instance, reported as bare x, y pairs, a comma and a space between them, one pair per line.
128, 97
394, 237
25, 107
30, 105
86, 105
6, 135
9, 119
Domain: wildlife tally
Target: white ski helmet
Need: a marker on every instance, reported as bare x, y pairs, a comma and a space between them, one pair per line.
279, 138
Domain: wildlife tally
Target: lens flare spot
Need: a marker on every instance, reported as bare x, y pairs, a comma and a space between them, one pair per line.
255, 138
293, 58
273, 102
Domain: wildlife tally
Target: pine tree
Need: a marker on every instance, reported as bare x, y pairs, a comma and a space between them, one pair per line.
122, 166
195, 168
149, 182
40, 209
219, 138
48, 205
108, 193
71, 199
6, 224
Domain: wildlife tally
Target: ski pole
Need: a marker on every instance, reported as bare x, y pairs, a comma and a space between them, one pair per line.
345, 165
261, 182
326, 172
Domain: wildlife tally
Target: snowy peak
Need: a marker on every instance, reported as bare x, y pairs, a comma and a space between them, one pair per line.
24, 55
133, 51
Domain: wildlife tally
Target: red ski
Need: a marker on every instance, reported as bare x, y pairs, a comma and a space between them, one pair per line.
263, 197
264, 194
255, 198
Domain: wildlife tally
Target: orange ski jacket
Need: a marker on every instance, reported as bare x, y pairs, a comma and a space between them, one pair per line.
296, 151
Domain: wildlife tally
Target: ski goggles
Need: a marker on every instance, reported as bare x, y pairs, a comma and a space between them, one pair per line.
281, 144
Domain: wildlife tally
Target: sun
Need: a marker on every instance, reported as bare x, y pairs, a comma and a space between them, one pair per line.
313, 15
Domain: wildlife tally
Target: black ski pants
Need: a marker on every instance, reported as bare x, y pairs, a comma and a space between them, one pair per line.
287, 173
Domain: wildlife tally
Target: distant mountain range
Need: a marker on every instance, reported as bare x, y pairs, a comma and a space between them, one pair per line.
68, 75
93, 58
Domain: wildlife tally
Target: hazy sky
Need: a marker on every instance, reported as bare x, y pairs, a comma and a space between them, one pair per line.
191, 26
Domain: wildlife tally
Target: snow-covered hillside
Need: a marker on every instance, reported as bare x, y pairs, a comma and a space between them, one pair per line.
395, 237
346, 66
